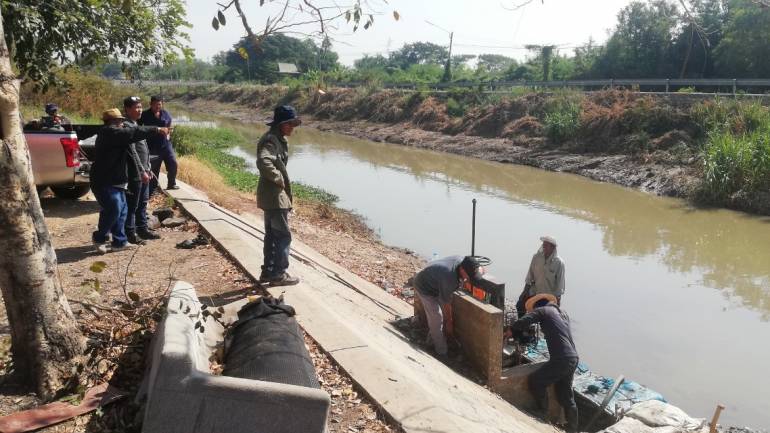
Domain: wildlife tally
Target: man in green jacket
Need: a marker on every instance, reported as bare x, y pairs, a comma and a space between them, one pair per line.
274, 196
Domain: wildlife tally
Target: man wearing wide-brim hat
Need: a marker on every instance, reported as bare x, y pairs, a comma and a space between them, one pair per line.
545, 274
109, 177
274, 196
559, 370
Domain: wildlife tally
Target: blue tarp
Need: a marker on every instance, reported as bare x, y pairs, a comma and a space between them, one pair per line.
595, 387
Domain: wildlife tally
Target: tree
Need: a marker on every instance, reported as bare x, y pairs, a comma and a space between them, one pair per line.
264, 58
46, 343
743, 51
640, 46
418, 53
495, 63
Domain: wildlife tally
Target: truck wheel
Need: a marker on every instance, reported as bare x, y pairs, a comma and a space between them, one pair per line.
71, 192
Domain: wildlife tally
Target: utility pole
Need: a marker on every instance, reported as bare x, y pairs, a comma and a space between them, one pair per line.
448, 68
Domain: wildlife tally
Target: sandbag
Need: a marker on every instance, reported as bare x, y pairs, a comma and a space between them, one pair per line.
656, 413
266, 344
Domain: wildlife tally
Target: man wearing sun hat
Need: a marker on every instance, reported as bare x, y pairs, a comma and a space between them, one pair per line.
562, 356
545, 274
109, 176
274, 195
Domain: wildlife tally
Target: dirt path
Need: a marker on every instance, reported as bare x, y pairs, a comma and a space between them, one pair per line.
97, 298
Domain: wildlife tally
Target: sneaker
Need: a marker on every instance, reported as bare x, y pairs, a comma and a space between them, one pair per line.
283, 280
124, 247
103, 248
147, 234
172, 187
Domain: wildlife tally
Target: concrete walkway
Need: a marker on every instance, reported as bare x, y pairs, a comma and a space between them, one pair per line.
350, 319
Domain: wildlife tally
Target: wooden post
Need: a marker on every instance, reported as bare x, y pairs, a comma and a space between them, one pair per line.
715, 418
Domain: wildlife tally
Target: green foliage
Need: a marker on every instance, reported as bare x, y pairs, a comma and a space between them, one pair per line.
730, 115
743, 51
82, 97
189, 140
454, 108
638, 46
43, 33
563, 122
210, 145
260, 63
736, 162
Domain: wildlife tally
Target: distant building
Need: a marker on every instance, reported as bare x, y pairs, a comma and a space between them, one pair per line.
288, 68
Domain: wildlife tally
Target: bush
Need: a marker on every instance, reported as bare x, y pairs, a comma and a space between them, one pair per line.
188, 139
562, 121
81, 97
737, 117
736, 163
454, 108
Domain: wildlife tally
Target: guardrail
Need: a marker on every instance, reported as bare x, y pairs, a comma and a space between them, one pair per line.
666, 85
658, 84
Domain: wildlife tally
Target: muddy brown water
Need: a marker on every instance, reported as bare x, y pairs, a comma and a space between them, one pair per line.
673, 297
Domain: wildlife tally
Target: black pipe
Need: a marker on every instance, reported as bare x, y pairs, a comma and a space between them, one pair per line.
473, 230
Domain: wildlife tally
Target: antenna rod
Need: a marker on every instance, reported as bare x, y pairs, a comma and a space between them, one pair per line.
473, 230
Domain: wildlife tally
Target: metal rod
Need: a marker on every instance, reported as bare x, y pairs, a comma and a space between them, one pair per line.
605, 402
473, 230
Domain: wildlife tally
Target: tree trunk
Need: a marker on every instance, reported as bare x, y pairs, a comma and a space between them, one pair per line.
45, 340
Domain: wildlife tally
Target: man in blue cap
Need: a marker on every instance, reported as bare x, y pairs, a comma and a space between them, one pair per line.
274, 196
52, 118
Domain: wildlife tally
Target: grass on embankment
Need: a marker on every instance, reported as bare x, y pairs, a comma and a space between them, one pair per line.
209, 146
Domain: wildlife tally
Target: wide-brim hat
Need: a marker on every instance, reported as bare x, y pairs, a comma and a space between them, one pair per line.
285, 114
550, 239
112, 114
530, 304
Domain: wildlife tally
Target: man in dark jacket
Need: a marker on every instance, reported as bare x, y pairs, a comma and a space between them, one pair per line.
139, 176
109, 176
274, 195
563, 357
160, 146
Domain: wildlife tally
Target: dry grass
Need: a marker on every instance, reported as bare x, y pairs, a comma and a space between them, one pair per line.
203, 177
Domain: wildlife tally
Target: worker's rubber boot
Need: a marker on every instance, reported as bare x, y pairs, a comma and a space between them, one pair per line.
541, 409
572, 419
134, 239
146, 233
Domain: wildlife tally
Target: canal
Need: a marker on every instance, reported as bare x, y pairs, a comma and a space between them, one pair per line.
673, 297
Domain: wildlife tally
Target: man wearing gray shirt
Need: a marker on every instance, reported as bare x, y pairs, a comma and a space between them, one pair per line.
434, 286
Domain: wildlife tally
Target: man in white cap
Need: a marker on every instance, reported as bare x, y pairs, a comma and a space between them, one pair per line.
545, 275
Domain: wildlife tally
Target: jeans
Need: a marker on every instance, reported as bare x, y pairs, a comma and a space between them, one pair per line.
277, 242
164, 155
112, 216
136, 199
558, 372
435, 319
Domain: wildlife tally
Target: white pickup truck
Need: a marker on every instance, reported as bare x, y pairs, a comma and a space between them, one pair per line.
60, 158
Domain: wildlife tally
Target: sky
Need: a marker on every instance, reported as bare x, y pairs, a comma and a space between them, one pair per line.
479, 26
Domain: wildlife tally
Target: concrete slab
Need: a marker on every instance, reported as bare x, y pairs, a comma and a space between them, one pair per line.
350, 319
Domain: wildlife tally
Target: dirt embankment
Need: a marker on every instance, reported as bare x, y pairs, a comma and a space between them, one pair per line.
652, 143
622, 137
